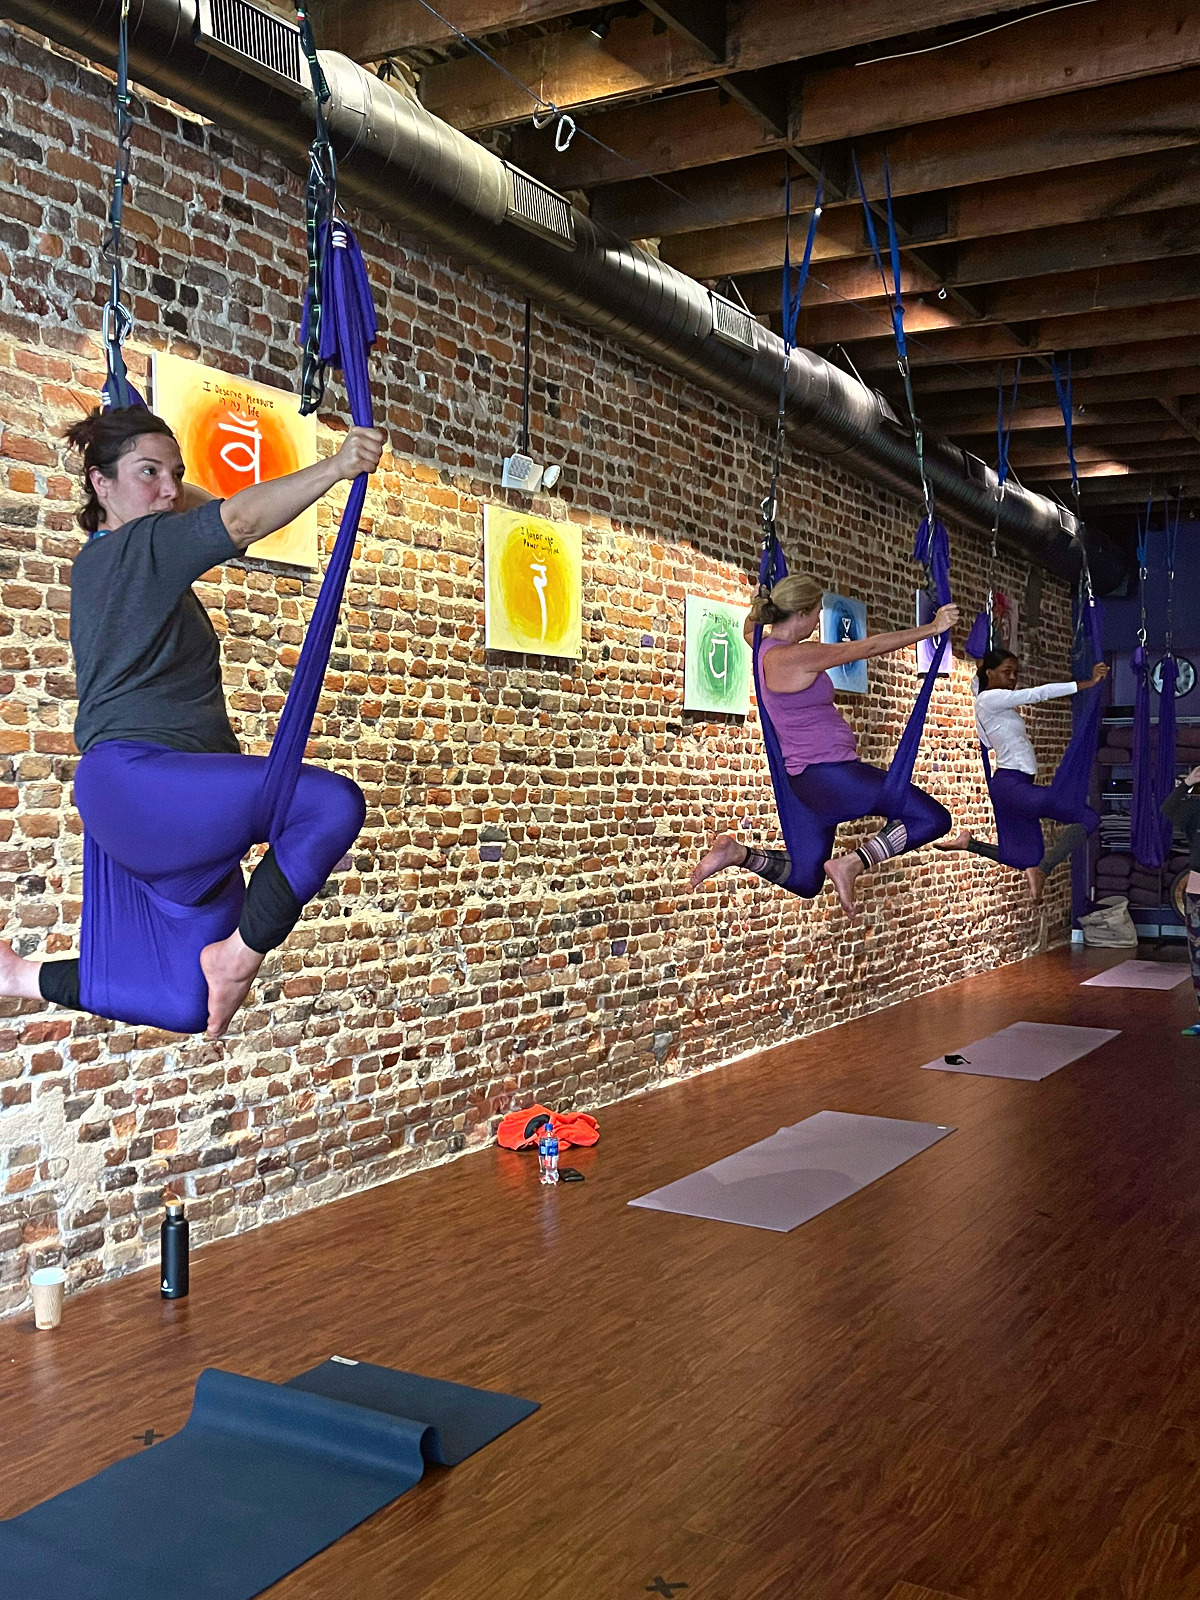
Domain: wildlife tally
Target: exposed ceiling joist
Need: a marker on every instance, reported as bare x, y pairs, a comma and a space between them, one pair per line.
1058, 52
1135, 360
702, 22
975, 408
1178, 320
1151, 451
696, 130
1035, 415
367, 30
1146, 187
573, 68
1129, 289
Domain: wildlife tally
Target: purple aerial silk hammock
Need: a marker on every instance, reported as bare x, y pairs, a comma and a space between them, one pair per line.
1065, 797
140, 951
797, 822
1153, 774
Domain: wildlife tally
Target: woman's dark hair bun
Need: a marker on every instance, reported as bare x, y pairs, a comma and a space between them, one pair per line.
102, 438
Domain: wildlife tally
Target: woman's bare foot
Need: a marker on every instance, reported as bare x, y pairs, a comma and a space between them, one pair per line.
724, 852
230, 967
960, 841
842, 872
1035, 881
18, 977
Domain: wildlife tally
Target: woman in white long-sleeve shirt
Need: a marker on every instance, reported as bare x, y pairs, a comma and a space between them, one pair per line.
1015, 795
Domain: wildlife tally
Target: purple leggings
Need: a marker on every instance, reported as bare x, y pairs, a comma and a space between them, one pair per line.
1019, 805
165, 832
844, 791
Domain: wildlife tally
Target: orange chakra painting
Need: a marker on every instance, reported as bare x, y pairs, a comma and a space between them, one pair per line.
234, 433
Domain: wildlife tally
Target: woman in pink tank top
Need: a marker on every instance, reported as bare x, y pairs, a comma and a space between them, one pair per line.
820, 751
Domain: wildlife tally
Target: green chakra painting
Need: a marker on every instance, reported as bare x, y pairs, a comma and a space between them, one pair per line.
716, 672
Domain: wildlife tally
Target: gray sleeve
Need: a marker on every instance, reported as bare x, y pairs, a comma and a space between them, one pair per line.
179, 546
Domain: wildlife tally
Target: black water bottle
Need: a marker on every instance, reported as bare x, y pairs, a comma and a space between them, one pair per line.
174, 1252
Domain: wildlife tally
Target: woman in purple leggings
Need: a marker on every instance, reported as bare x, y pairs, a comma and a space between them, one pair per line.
1018, 800
820, 752
162, 787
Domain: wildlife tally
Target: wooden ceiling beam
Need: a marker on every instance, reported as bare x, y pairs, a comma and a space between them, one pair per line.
1035, 414
368, 30
1023, 256
1046, 301
573, 68
663, 136
1175, 411
976, 407
702, 22
675, 134
744, 199
1152, 450
1118, 361
1051, 438
1008, 238
1180, 319
1184, 459
1132, 488
1058, 52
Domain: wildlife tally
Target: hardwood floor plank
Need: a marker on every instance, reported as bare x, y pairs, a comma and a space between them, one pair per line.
977, 1372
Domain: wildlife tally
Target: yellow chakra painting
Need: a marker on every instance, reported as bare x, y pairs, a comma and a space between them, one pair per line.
534, 571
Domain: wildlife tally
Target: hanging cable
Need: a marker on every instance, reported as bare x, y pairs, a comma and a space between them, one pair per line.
117, 320
791, 299
525, 381
320, 206
895, 299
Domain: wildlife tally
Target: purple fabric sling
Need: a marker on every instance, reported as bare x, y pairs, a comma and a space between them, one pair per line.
140, 952
1064, 799
797, 822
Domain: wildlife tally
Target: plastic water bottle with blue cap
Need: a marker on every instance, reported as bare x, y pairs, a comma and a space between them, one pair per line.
547, 1154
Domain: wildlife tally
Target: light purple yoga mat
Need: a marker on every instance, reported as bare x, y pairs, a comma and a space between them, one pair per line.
798, 1172
1139, 975
1029, 1050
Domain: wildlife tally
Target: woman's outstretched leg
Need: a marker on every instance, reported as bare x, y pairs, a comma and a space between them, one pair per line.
843, 791
772, 865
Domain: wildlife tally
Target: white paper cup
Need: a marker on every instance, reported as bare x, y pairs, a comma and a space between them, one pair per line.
47, 1284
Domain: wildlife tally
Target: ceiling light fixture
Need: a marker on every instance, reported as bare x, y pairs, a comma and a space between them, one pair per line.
601, 27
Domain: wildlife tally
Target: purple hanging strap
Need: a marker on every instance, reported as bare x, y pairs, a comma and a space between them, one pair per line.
348, 330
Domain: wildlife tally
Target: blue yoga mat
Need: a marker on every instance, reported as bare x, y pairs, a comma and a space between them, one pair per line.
260, 1478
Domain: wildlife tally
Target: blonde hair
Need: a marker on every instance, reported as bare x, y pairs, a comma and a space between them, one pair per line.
790, 597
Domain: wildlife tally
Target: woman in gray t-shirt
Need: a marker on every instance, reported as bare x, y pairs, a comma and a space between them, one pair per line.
167, 799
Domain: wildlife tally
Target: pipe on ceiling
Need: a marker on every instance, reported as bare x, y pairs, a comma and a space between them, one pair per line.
401, 163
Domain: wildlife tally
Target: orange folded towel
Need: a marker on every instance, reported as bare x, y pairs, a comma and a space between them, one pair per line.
571, 1128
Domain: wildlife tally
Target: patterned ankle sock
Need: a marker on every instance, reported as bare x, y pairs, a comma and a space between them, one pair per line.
773, 865
888, 842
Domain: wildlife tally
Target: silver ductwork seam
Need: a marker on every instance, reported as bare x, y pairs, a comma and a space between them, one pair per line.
401, 163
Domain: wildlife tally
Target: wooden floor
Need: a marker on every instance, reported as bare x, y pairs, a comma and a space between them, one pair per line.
975, 1380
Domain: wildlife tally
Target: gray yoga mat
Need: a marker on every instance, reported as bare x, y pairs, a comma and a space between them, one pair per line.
1029, 1050
1139, 975
798, 1172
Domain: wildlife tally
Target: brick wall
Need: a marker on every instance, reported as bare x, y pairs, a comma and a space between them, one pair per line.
514, 923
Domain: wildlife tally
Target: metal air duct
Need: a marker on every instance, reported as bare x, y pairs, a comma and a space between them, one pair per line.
403, 164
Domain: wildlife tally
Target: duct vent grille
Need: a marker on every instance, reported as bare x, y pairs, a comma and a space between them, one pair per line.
533, 206
731, 323
258, 41
1068, 521
886, 411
